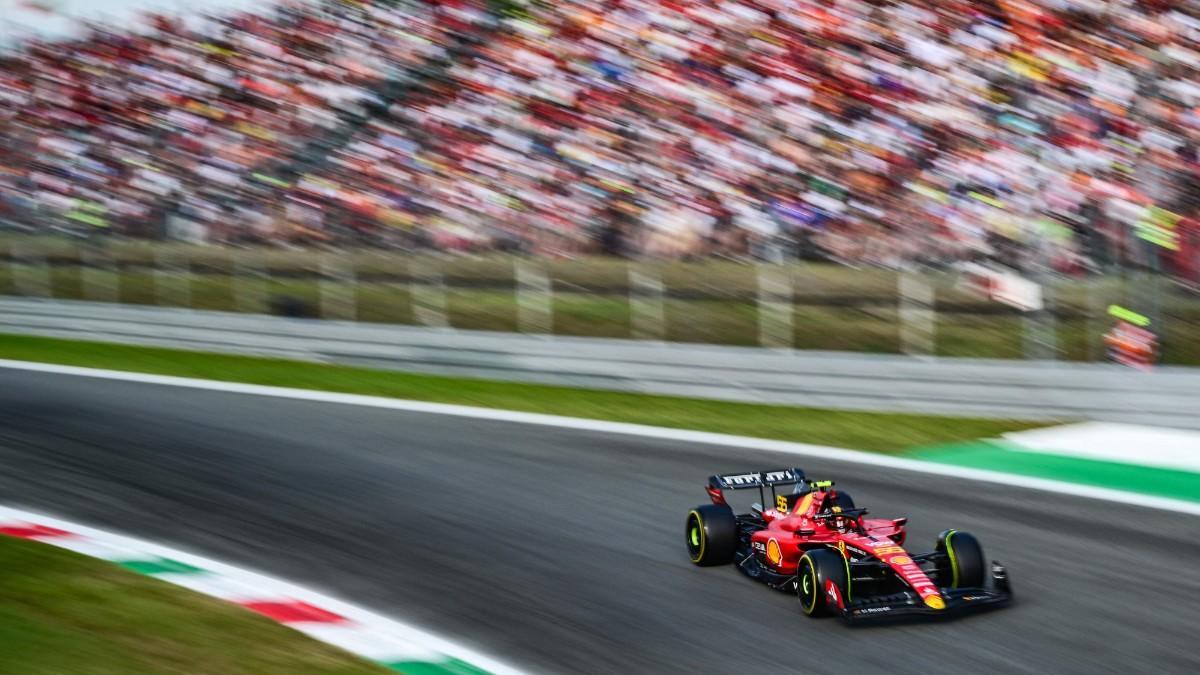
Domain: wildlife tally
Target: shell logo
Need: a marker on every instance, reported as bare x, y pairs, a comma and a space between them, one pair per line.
774, 555
934, 602
900, 560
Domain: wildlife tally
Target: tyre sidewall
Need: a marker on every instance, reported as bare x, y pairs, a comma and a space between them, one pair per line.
965, 555
817, 569
710, 534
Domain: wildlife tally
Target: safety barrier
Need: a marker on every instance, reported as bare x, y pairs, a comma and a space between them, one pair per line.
990, 388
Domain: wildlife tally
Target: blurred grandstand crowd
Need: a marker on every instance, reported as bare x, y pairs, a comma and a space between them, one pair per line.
869, 132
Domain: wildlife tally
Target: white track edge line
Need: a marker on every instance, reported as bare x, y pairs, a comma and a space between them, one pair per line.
283, 589
600, 426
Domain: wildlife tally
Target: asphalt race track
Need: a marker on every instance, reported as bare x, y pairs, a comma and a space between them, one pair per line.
561, 550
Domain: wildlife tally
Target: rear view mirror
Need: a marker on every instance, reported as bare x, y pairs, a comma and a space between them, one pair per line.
805, 532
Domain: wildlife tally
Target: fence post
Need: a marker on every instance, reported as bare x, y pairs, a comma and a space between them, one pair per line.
172, 278
427, 288
775, 311
534, 298
99, 278
1096, 311
917, 324
30, 272
1041, 334
646, 311
336, 288
250, 275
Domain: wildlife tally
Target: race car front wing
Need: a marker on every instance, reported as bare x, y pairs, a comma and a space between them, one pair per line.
908, 603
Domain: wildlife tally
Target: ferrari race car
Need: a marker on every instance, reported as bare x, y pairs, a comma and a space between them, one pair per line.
817, 543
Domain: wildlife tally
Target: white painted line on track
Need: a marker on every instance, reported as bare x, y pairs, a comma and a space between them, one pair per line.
646, 431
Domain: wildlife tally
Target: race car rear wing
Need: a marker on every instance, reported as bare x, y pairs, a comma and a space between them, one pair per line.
740, 481
757, 479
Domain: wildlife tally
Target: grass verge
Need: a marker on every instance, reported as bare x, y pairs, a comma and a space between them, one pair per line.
61, 612
883, 432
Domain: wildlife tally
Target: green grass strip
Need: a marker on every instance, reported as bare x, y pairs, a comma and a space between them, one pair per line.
998, 456
883, 432
62, 613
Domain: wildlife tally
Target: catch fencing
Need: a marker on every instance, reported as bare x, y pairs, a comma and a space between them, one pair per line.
1168, 396
793, 305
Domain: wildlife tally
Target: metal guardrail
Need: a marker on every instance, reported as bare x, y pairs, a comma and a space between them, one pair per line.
975, 387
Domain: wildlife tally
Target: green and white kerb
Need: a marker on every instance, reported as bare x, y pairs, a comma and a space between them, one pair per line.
393, 644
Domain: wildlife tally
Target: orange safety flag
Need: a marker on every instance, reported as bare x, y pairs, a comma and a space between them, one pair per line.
1132, 346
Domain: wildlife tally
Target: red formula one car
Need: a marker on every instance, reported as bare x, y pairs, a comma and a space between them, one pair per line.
817, 543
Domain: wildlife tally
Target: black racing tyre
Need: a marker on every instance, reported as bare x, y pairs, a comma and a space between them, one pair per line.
818, 569
967, 567
711, 534
844, 500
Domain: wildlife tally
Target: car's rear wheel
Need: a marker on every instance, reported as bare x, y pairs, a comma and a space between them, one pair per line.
965, 555
711, 534
822, 582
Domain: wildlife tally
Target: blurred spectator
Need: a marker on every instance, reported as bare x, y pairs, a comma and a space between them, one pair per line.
177, 131
866, 132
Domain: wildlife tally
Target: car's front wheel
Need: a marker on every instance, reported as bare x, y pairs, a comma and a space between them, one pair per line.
965, 556
845, 501
822, 582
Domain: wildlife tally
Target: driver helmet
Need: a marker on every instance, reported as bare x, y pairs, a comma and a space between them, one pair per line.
839, 522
